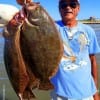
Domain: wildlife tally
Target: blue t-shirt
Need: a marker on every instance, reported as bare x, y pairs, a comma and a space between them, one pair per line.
74, 79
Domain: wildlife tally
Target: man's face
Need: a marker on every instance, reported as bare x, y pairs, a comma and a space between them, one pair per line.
69, 9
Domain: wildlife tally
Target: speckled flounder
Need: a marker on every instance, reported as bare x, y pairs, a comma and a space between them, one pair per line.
32, 52
43, 42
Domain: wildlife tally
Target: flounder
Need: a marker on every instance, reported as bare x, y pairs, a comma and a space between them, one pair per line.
33, 49
43, 42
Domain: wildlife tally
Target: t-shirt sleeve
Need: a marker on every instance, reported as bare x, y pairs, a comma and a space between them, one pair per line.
94, 47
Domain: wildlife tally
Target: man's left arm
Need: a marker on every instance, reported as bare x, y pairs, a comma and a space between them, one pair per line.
94, 73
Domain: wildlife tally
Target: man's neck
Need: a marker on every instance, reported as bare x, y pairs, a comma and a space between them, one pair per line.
70, 23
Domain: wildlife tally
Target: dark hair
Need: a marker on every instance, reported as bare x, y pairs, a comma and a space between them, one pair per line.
60, 1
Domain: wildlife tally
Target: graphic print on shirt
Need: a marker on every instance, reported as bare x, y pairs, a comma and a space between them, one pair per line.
73, 50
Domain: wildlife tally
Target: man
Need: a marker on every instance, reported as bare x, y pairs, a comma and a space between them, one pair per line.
76, 78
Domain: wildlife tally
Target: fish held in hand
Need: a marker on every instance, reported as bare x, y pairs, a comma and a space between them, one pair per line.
33, 49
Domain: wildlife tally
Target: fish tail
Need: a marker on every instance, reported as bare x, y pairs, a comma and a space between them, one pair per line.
46, 85
28, 94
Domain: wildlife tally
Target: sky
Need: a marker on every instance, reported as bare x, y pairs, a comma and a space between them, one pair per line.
88, 8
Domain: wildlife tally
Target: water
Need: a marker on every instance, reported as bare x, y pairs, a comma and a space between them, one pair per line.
6, 90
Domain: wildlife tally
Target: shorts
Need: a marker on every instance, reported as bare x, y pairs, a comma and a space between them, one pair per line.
54, 96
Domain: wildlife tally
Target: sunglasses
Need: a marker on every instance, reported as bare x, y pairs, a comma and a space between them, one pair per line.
63, 5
